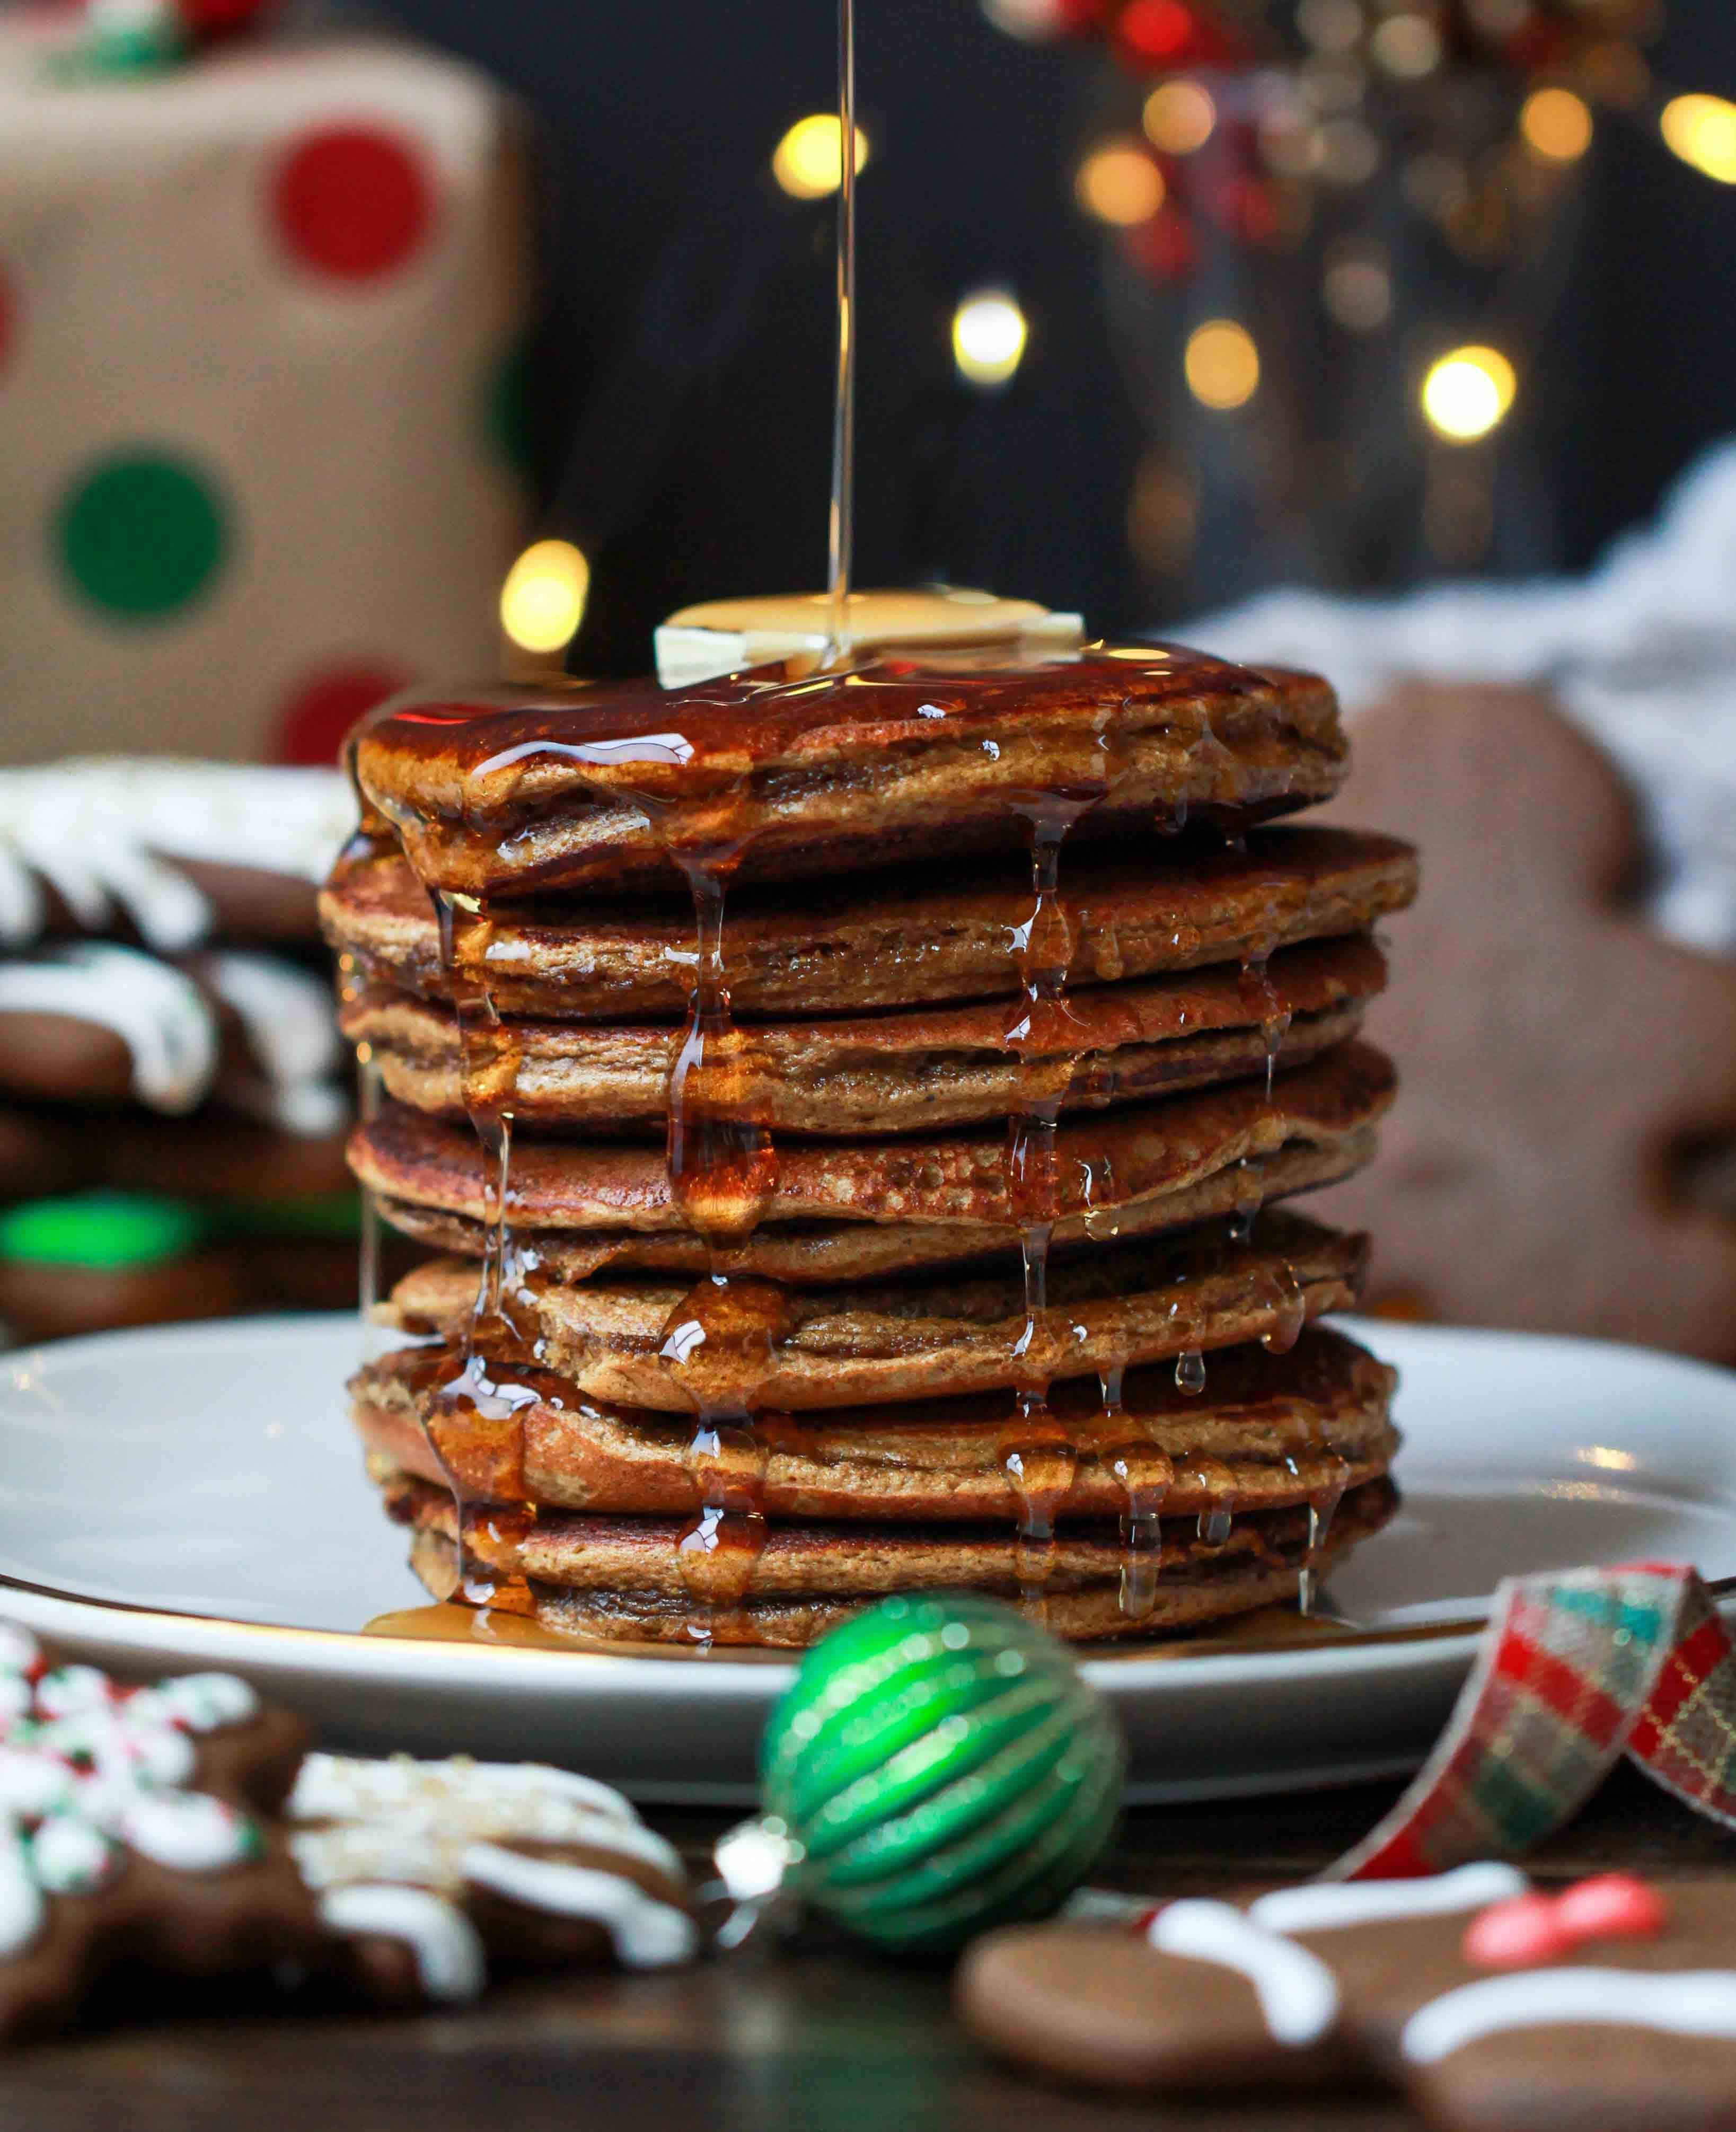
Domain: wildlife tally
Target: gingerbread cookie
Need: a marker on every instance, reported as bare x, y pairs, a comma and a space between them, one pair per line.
1562, 1057
135, 1825
178, 1827
96, 1024
425, 1868
167, 852
1495, 2007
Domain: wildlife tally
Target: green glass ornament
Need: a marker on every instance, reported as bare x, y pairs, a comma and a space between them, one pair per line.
938, 1766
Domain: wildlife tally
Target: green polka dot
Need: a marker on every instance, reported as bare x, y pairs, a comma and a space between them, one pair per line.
509, 408
140, 534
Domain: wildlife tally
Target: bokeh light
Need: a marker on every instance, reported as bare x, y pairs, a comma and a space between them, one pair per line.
1179, 117
988, 335
1119, 183
1702, 131
808, 162
1406, 46
1556, 125
1222, 364
543, 600
1468, 392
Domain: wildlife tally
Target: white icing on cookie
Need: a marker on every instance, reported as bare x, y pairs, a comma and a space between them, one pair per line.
159, 1013
1693, 2002
438, 1827
69, 1857
187, 1832
450, 1964
645, 1933
291, 1030
1298, 1992
422, 1816
1329, 1906
99, 828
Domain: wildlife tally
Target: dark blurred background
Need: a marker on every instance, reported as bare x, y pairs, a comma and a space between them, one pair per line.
683, 369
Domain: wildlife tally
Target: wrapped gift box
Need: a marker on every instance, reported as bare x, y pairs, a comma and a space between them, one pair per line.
259, 320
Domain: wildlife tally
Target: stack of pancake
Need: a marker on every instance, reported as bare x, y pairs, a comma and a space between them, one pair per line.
849, 1107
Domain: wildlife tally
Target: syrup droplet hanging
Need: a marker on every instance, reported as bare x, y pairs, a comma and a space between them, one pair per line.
1037, 1452
475, 1420
720, 1342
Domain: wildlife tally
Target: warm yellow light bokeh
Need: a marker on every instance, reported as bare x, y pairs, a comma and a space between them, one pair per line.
1556, 125
808, 162
543, 600
988, 335
1119, 183
1702, 131
1179, 117
1222, 364
1468, 393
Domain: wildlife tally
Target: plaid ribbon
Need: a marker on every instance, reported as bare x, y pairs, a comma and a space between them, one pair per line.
1577, 1669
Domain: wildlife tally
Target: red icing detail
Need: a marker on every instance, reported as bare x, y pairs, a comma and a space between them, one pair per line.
316, 716
353, 202
1536, 1929
1516, 1934
1612, 1906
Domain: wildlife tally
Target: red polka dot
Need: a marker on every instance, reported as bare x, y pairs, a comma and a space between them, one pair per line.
352, 201
8, 321
317, 714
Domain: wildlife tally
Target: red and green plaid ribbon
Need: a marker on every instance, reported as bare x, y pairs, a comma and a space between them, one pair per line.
1577, 1668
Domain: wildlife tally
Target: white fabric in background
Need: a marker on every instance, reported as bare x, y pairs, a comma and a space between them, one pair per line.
1642, 653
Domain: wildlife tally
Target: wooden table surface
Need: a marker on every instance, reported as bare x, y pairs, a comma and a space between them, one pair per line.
808, 2035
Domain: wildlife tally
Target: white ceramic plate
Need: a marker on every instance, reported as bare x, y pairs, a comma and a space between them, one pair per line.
193, 1496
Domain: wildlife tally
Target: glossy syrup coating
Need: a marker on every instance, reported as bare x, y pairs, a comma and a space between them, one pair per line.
613, 793
593, 788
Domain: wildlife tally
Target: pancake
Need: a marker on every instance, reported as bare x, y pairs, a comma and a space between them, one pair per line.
814, 1254
620, 1578
917, 1070
594, 788
1102, 1167
757, 1346
1266, 1431
916, 938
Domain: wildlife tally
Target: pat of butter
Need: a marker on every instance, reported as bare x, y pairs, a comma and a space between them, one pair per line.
723, 637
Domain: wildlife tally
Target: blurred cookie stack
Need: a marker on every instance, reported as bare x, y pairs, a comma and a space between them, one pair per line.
172, 1104
850, 1100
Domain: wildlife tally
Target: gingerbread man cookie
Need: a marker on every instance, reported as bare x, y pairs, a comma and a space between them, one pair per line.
135, 1825
1495, 2007
425, 1868
178, 1827
1570, 1073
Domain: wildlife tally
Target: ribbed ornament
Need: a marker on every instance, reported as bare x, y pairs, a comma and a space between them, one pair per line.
939, 1766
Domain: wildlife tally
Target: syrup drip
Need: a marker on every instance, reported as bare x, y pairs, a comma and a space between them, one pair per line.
1322, 1509
720, 1342
369, 1093
1038, 1454
841, 523
474, 1421
1191, 1372
1146, 1476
